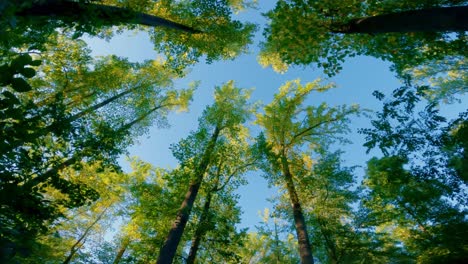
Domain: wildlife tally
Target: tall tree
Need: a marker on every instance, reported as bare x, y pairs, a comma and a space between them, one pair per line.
66, 237
417, 189
289, 127
71, 111
219, 36
155, 195
338, 226
195, 153
407, 34
215, 233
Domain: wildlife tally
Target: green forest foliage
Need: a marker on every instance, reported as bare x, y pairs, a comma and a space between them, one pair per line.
66, 117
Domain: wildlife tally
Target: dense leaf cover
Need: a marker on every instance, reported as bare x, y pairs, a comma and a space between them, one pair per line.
66, 117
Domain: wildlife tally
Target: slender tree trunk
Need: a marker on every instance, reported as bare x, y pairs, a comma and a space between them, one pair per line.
424, 20
200, 231
121, 251
77, 245
77, 156
31, 182
168, 250
73, 103
80, 12
101, 104
305, 249
277, 246
142, 117
46, 130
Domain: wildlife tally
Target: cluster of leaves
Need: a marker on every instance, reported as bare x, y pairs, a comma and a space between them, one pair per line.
417, 190
65, 117
30, 163
218, 35
304, 32
18, 66
69, 111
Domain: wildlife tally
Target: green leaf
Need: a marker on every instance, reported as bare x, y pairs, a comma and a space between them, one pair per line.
20, 85
35, 63
11, 97
18, 63
28, 72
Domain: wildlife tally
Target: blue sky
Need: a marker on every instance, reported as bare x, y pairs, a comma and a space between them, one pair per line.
359, 77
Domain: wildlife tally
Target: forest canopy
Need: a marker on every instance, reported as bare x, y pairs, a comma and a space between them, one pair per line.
353, 174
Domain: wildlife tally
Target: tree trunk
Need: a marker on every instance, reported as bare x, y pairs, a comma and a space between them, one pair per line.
108, 15
77, 245
101, 104
77, 155
305, 249
424, 20
200, 231
121, 251
168, 250
48, 129
142, 117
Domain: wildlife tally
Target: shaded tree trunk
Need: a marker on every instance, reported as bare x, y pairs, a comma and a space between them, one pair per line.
101, 104
305, 249
69, 11
48, 129
200, 231
169, 248
53, 172
424, 20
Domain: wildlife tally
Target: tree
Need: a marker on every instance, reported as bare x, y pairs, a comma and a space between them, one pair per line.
324, 32
338, 225
27, 25
289, 128
195, 154
105, 15
68, 235
153, 200
64, 116
215, 234
415, 190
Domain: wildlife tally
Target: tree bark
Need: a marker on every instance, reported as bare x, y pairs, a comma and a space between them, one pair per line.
200, 231
107, 15
305, 249
169, 248
121, 251
424, 20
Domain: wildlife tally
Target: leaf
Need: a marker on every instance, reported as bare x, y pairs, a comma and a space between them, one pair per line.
20, 85
28, 72
19, 62
11, 97
35, 63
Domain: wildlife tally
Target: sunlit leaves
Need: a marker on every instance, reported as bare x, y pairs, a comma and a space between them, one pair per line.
301, 33
446, 78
